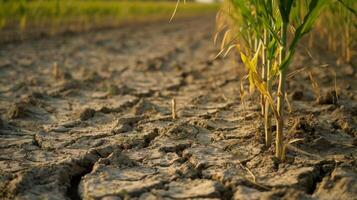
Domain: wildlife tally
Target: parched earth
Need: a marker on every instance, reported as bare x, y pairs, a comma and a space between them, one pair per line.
89, 117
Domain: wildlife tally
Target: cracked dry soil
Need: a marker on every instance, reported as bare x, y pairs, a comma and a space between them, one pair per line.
97, 125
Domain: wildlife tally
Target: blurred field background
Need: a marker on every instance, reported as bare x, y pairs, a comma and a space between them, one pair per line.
21, 19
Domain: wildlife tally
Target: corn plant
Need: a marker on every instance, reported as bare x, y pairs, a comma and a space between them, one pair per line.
55, 15
267, 23
247, 22
338, 26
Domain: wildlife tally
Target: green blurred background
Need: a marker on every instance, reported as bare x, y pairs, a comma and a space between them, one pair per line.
20, 18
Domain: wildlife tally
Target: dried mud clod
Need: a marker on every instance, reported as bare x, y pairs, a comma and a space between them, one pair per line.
117, 159
187, 170
154, 63
122, 90
247, 193
125, 124
192, 189
20, 109
144, 106
345, 124
304, 124
175, 147
321, 143
304, 128
344, 119
92, 77
330, 97
181, 131
64, 87
87, 114
26, 106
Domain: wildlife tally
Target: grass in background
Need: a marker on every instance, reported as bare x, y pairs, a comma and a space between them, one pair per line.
54, 16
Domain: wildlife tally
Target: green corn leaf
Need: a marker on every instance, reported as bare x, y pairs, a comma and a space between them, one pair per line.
285, 9
315, 8
272, 49
348, 7
272, 32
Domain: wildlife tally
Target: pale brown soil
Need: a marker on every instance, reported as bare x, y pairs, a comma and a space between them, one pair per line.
99, 126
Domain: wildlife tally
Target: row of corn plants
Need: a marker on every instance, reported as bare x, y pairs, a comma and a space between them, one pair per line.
54, 14
338, 27
266, 34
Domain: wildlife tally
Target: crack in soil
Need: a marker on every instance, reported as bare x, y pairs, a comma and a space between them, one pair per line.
321, 174
72, 191
56, 163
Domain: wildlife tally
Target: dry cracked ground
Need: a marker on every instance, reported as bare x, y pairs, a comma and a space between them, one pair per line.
88, 116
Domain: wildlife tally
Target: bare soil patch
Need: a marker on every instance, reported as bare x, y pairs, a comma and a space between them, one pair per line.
98, 125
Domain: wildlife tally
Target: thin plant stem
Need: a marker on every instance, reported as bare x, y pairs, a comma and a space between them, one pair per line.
347, 46
267, 119
281, 98
173, 108
265, 104
264, 71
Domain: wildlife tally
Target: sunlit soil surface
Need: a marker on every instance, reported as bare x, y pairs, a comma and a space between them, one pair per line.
89, 117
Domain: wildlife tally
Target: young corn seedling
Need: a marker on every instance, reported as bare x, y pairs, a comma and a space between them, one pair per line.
259, 30
173, 109
56, 71
247, 31
268, 22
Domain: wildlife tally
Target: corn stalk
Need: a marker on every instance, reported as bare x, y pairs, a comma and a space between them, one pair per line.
266, 22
